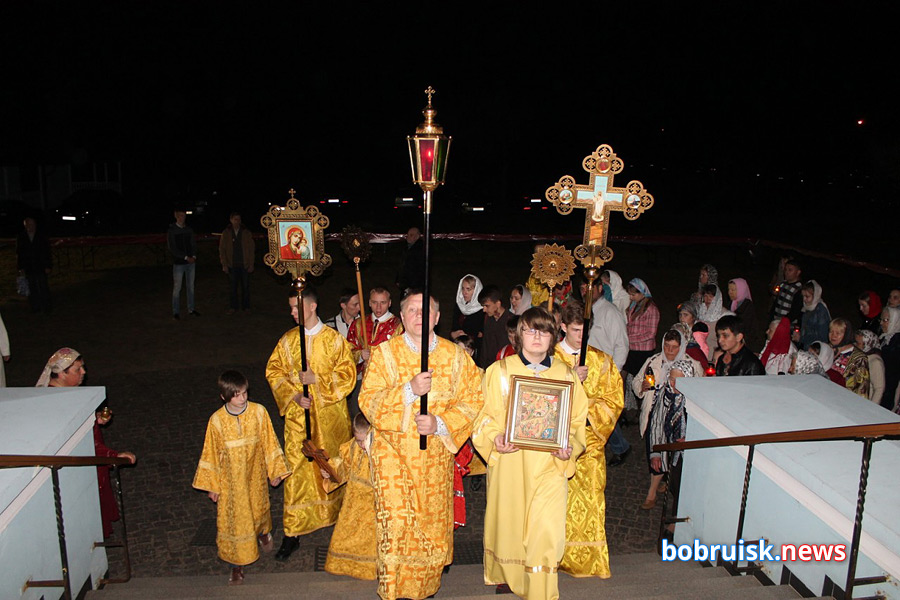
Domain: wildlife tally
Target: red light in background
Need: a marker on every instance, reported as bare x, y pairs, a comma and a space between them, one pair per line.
344, 201
860, 122
526, 208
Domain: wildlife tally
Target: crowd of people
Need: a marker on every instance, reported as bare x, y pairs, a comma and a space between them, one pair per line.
350, 392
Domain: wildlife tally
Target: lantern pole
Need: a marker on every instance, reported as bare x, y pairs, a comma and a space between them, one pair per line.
428, 150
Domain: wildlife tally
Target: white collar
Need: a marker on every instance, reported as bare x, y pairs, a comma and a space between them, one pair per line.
567, 348
415, 347
385, 317
316, 328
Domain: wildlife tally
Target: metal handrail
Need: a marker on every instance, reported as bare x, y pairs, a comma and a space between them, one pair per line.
55, 463
867, 434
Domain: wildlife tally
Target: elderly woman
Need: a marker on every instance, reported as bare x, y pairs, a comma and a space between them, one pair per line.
849, 361
889, 343
66, 369
807, 363
668, 423
614, 292
709, 275
779, 352
867, 341
650, 378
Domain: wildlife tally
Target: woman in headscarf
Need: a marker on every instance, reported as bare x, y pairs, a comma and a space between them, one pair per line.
779, 352
519, 299
709, 275
643, 321
668, 423
687, 314
468, 317
807, 363
823, 351
867, 341
889, 343
870, 310
849, 360
692, 348
66, 369
710, 310
742, 307
615, 293
815, 319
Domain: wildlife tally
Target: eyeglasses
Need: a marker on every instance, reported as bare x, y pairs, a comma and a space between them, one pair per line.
536, 332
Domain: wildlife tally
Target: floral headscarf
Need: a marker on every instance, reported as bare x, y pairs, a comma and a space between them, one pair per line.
869, 340
808, 363
712, 277
61, 360
892, 327
713, 312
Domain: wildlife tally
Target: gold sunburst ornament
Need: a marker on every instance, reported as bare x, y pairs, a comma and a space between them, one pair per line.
552, 265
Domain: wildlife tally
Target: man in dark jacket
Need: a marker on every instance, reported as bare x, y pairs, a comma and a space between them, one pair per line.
35, 262
236, 253
412, 265
183, 248
737, 358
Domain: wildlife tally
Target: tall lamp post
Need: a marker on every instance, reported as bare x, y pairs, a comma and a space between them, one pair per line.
428, 150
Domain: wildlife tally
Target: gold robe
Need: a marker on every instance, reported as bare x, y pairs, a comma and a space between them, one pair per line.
587, 554
525, 519
414, 488
352, 549
307, 507
239, 453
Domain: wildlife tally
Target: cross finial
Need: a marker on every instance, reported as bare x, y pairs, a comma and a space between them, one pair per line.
292, 191
429, 92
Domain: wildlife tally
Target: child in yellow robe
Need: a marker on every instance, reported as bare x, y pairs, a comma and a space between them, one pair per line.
239, 453
352, 550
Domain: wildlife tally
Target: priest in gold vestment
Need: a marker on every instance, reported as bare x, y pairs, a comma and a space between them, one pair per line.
587, 554
413, 487
525, 519
330, 377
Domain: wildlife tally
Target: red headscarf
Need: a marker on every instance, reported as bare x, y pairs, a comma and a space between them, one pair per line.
874, 304
780, 342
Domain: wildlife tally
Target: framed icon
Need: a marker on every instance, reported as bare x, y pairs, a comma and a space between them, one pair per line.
296, 238
538, 412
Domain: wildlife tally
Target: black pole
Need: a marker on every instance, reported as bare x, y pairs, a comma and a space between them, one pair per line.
299, 284
61, 533
426, 312
857, 521
590, 273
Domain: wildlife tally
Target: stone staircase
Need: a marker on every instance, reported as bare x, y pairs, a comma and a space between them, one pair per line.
635, 576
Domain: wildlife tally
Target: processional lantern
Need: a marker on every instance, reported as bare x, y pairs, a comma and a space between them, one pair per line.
428, 151
297, 246
598, 198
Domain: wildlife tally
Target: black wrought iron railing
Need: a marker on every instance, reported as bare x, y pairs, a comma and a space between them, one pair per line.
867, 434
55, 463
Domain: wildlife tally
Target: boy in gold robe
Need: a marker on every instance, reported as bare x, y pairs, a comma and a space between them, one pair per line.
239, 452
352, 548
330, 376
587, 554
525, 519
413, 487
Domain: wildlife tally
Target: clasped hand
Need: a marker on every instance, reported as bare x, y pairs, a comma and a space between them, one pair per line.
303, 401
421, 383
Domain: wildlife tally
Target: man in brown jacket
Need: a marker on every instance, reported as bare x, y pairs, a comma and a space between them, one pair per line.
236, 251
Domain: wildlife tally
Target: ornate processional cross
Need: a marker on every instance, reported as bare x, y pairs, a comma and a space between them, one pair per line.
599, 198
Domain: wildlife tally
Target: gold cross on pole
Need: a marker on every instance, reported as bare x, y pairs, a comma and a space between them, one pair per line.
599, 198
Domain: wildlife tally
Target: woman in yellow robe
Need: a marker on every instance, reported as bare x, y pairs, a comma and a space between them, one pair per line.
352, 549
587, 554
239, 453
307, 507
525, 519
413, 487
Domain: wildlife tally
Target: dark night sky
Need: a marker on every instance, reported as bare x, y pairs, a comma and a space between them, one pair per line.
249, 101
